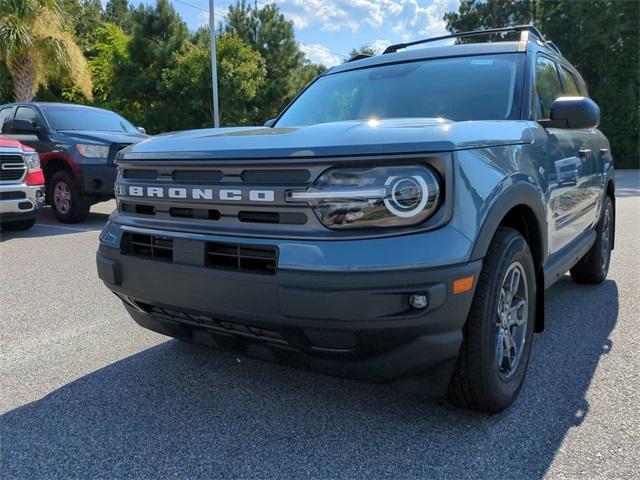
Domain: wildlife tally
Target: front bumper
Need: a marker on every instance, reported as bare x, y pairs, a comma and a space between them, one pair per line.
98, 179
352, 324
20, 201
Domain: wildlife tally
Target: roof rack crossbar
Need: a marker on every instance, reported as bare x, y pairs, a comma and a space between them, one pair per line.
517, 28
360, 56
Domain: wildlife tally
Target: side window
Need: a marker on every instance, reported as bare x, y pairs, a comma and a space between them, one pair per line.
569, 82
26, 113
4, 116
548, 87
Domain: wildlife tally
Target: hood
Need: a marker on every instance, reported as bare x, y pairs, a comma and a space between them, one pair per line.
99, 137
13, 143
415, 135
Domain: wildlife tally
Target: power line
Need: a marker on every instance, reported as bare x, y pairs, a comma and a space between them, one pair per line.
225, 18
199, 8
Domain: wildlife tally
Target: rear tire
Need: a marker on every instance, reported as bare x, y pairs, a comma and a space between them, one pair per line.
19, 224
593, 268
497, 337
65, 198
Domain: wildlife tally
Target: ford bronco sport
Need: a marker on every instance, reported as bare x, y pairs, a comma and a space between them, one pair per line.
400, 219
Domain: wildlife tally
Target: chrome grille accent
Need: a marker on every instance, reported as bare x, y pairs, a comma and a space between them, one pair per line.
12, 168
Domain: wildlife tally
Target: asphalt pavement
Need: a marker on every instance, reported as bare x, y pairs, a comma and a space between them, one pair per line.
86, 393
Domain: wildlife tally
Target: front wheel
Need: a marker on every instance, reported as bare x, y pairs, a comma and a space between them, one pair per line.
65, 198
498, 334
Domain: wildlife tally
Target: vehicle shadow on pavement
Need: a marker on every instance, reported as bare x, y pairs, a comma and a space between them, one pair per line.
48, 226
188, 411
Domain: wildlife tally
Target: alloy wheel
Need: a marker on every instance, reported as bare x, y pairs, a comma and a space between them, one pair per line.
62, 197
511, 325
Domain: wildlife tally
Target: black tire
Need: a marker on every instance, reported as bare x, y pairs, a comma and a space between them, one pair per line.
19, 224
479, 382
593, 268
77, 208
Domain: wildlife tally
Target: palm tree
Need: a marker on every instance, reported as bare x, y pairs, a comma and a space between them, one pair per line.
37, 49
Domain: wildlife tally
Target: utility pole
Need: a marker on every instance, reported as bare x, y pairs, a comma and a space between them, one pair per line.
214, 66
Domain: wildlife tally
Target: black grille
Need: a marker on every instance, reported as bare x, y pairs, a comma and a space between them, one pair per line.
220, 326
297, 176
197, 176
236, 256
332, 340
150, 246
12, 195
12, 168
140, 174
228, 256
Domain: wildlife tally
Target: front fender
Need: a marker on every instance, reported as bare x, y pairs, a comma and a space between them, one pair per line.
513, 191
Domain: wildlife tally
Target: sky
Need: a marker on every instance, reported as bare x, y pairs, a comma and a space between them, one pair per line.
327, 30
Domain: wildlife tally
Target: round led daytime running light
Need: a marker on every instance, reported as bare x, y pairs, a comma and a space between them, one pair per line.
424, 192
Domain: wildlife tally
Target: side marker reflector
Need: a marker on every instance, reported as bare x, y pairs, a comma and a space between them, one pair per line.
462, 285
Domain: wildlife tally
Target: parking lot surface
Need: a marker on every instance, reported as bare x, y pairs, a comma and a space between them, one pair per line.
85, 392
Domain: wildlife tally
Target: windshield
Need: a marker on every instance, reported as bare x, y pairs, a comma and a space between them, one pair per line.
69, 118
467, 88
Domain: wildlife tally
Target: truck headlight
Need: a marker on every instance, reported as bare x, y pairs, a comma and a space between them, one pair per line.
93, 151
373, 197
32, 160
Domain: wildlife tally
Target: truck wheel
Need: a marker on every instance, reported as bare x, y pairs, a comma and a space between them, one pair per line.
65, 199
498, 334
19, 224
594, 266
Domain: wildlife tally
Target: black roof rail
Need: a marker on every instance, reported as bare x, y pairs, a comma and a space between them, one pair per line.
360, 56
516, 28
553, 47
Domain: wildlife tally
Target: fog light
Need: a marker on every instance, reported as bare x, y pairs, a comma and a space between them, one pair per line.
419, 301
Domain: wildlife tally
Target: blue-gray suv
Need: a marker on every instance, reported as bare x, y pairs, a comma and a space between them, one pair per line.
400, 219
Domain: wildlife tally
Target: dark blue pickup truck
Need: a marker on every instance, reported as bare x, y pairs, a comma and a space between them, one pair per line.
400, 219
77, 147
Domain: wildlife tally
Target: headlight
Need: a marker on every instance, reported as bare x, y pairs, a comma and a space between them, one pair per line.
32, 160
93, 151
373, 197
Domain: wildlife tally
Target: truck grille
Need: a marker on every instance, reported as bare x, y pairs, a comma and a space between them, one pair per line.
236, 256
12, 168
240, 257
244, 214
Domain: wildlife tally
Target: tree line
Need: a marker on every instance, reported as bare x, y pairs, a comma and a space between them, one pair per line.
144, 63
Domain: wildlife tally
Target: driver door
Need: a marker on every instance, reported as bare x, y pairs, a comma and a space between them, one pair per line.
35, 140
572, 206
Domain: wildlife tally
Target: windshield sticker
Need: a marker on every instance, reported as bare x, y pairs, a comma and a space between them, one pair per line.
482, 62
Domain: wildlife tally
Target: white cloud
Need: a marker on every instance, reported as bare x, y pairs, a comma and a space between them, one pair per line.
203, 18
320, 54
403, 17
379, 46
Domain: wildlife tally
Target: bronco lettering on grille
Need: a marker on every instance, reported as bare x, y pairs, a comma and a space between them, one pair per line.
194, 193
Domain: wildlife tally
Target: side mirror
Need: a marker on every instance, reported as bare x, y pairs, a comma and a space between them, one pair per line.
269, 123
142, 130
573, 113
26, 126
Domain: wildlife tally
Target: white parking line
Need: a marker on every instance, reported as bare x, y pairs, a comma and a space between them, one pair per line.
72, 229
